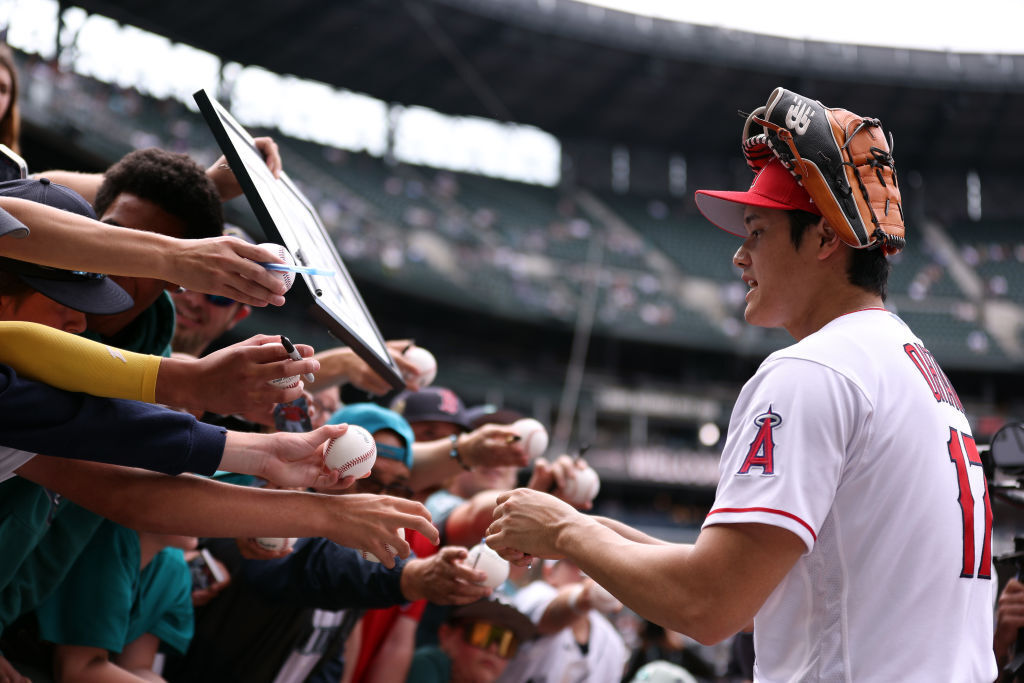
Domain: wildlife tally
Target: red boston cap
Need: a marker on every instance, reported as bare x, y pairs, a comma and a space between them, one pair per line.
773, 188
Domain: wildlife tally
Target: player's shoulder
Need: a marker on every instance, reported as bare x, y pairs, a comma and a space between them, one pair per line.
847, 340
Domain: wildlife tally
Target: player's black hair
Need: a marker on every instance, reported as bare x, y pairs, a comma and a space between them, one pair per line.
174, 182
868, 268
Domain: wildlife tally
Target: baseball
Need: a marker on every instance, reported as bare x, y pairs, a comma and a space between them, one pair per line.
483, 558
370, 557
533, 434
284, 255
275, 543
285, 382
426, 364
354, 452
582, 488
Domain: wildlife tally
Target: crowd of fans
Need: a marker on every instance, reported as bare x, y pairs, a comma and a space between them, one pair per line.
120, 565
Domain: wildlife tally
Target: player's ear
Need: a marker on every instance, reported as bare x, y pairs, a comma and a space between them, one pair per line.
826, 238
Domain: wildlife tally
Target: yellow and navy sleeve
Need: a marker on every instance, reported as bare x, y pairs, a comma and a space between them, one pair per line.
74, 363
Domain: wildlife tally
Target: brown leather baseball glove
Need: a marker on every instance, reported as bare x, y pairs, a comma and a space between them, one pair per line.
843, 161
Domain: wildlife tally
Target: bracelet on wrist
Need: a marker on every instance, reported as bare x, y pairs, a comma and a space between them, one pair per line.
454, 452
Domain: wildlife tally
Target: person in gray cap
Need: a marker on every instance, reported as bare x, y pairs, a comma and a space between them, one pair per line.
80, 291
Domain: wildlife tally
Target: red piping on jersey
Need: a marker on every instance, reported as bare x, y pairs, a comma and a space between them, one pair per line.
772, 511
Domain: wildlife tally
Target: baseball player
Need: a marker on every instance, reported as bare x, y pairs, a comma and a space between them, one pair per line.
851, 522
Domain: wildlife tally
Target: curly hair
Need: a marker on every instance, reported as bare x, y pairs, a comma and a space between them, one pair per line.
10, 120
174, 182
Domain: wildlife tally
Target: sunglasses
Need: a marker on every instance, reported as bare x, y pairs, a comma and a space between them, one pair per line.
372, 484
484, 634
220, 301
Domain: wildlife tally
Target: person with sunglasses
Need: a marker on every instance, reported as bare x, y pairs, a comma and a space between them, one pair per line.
476, 643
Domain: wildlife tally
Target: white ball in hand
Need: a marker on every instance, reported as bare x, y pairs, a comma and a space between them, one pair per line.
275, 543
286, 256
353, 453
582, 488
485, 559
370, 557
533, 434
285, 382
425, 363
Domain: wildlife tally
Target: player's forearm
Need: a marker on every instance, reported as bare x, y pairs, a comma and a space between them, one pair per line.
66, 240
652, 580
628, 532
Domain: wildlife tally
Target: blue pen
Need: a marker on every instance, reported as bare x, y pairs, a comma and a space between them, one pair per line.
298, 269
295, 355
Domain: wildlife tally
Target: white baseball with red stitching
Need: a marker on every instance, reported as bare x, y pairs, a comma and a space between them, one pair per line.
284, 255
425, 363
285, 382
533, 434
353, 453
275, 543
582, 488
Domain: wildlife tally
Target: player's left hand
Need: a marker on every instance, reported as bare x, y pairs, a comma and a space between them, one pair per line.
224, 178
527, 523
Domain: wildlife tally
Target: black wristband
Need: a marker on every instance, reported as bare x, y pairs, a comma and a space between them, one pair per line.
454, 452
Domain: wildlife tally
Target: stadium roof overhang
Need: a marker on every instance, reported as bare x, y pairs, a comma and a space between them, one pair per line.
585, 73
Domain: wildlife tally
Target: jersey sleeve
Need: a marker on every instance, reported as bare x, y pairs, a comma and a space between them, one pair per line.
786, 448
74, 363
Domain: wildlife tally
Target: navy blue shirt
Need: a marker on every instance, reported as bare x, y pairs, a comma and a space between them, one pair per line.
38, 418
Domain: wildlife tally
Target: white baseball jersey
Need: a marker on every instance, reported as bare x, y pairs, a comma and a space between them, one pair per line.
854, 440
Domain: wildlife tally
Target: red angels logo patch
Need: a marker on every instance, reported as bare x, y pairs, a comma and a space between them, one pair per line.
761, 452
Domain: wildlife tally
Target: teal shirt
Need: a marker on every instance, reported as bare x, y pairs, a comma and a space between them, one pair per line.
164, 603
39, 542
430, 665
106, 602
151, 332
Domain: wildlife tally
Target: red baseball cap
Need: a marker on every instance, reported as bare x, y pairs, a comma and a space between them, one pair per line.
774, 187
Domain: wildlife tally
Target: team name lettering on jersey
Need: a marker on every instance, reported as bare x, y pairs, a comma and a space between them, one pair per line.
937, 381
762, 449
